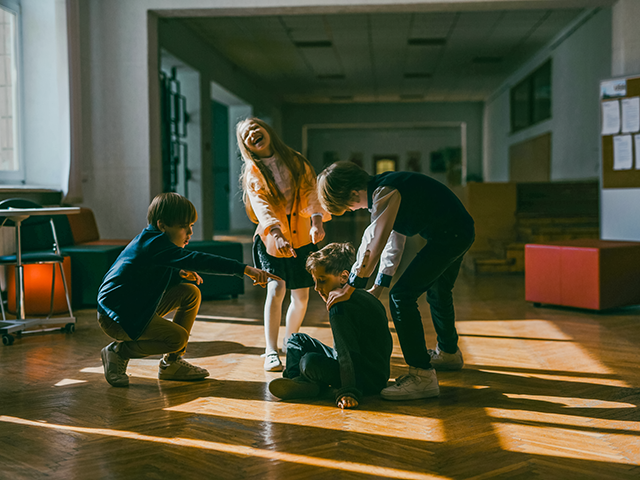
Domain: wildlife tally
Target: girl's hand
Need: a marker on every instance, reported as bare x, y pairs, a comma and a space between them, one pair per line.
339, 295
282, 244
190, 276
347, 402
259, 277
317, 230
376, 290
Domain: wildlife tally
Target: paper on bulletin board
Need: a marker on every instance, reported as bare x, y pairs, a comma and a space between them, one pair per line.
636, 139
610, 117
622, 152
630, 115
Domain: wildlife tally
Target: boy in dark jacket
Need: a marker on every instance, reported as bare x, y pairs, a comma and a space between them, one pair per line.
145, 283
359, 363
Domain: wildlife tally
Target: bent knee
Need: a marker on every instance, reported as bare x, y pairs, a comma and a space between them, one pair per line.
178, 340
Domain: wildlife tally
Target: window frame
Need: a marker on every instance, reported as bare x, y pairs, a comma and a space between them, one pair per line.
529, 106
16, 176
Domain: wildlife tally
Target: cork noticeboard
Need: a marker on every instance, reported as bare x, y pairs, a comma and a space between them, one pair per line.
611, 178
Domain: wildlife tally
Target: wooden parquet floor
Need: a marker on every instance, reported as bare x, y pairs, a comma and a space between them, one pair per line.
545, 394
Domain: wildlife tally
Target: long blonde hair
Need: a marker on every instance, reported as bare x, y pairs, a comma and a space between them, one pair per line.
294, 161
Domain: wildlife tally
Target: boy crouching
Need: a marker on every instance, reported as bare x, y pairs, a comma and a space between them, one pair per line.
359, 363
145, 283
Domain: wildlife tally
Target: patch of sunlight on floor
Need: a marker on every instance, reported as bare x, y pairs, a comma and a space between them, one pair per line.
68, 381
562, 441
318, 416
510, 343
571, 402
557, 419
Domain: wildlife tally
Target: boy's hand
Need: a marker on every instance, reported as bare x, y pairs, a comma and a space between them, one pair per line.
283, 246
191, 276
376, 290
317, 230
259, 277
339, 295
347, 402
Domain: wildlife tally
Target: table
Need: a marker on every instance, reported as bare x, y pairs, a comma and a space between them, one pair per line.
18, 215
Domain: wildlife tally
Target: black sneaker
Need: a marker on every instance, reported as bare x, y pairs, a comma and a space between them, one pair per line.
286, 388
115, 367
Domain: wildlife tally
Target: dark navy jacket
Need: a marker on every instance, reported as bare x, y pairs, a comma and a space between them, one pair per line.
133, 287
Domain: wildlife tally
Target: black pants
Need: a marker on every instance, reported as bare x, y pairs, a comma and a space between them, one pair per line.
312, 360
434, 270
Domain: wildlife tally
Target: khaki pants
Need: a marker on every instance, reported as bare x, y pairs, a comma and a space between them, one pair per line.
161, 335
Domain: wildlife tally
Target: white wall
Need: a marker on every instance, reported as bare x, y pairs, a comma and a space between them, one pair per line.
580, 59
296, 116
620, 207
238, 220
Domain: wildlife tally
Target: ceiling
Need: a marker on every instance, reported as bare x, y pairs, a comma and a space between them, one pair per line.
382, 57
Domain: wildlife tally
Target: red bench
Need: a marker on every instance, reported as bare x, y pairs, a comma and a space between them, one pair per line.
585, 273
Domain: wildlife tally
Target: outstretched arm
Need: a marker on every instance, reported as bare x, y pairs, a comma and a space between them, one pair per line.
259, 277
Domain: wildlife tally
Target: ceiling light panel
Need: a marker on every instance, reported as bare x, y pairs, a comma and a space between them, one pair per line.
350, 35
389, 46
305, 28
431, 25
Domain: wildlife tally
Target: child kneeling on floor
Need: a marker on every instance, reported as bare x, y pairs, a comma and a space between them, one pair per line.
145, 283
359, 363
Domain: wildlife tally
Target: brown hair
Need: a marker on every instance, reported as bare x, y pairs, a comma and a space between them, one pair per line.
335, 258
336, 184
294, 161
171, 209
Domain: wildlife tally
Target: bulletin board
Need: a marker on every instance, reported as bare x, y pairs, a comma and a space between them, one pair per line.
620, 132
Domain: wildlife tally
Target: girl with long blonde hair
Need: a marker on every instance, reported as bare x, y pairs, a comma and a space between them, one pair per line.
279, 193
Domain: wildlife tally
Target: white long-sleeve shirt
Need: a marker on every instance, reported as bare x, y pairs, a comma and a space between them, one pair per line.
379, 241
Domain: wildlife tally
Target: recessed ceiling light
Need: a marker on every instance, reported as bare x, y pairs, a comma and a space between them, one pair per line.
417, 75
332, 76
486, 60
341, 98
314, 44
427, 42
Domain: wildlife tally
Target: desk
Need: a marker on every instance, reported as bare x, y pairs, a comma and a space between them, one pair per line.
18, 215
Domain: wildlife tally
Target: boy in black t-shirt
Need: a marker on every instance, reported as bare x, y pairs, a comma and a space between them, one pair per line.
404, 204
359, 363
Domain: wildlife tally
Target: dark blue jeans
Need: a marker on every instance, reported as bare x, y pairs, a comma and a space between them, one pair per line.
434, 270
312, 360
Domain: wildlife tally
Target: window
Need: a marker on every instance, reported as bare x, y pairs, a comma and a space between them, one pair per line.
11, 168
531, 99
385, 163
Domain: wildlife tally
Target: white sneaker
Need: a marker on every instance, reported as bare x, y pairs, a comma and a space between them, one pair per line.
180, 370
418, 383
272, 362
446, 361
